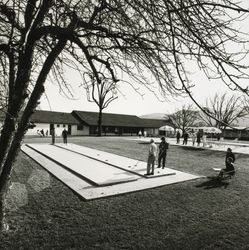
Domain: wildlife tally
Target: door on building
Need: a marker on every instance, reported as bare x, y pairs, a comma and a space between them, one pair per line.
69, 129
51, 126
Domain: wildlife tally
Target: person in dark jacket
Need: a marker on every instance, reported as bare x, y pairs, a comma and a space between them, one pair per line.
64, 135
230, 154
52, 132
229, 162
178, 135
185, 138
198, 138
163, 147
229, 168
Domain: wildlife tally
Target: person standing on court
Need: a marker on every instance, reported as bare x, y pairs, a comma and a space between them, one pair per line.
64, 135
163, 147
151, 158
52, 132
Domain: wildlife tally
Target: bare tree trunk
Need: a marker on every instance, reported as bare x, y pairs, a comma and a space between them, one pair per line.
6, 138
15, 145
4, 225
100, 122
14, 150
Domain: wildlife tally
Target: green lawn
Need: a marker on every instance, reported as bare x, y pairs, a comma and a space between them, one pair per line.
199, 214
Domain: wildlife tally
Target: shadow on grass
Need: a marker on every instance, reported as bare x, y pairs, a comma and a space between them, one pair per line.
213, 182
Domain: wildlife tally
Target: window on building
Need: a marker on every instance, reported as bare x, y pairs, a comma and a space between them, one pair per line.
80, 127
64, 125
58, 125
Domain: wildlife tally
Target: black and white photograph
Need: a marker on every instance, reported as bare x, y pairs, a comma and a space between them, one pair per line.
124, 124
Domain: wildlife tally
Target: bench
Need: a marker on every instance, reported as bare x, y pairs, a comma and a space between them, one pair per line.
226, 174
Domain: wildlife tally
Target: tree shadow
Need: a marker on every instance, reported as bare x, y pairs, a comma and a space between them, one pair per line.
213, 182
190, 148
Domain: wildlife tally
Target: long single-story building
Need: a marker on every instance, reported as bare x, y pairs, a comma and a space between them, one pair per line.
118, 124
86, 123
239, 131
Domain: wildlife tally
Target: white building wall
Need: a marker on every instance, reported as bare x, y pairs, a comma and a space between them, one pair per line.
39, 126
152, 131
59, 128
46, 127
74, 130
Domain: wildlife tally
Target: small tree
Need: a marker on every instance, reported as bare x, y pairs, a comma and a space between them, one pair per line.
102, 93
184, 118
223, 110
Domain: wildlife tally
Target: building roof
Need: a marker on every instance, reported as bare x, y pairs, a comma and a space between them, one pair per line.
156, 116
43, 116
153, 123
108, 119
119, 120
91, 119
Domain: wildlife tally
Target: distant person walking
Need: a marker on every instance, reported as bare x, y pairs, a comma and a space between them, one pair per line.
145, 133
163, 147
185, 138
198, 138
52, 132
178, 135
140, 133
42, 132
204, 140
193, 138
151, 158
64, 135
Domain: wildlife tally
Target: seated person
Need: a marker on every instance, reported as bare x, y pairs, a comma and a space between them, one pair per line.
229, 167
229, 153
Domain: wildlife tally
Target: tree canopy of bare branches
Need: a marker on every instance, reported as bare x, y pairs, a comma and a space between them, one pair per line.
184, 118
128, 37
102, 94
226, 109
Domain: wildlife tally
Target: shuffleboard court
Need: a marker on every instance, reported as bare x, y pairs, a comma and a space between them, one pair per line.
125, 163
96, 172
87, 190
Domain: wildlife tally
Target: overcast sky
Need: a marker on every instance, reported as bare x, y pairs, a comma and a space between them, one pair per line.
131, 103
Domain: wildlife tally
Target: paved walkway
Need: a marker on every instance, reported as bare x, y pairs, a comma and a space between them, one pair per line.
96, 181
237, 147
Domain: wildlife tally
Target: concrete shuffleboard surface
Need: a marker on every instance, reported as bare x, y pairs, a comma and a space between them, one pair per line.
95, 172
131, 165
88, 191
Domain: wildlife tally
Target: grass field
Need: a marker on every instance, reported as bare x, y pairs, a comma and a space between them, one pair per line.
199, 214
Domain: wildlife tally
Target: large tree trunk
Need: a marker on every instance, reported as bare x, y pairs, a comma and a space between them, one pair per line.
4, 225
15, 145
15, 148
6, 138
